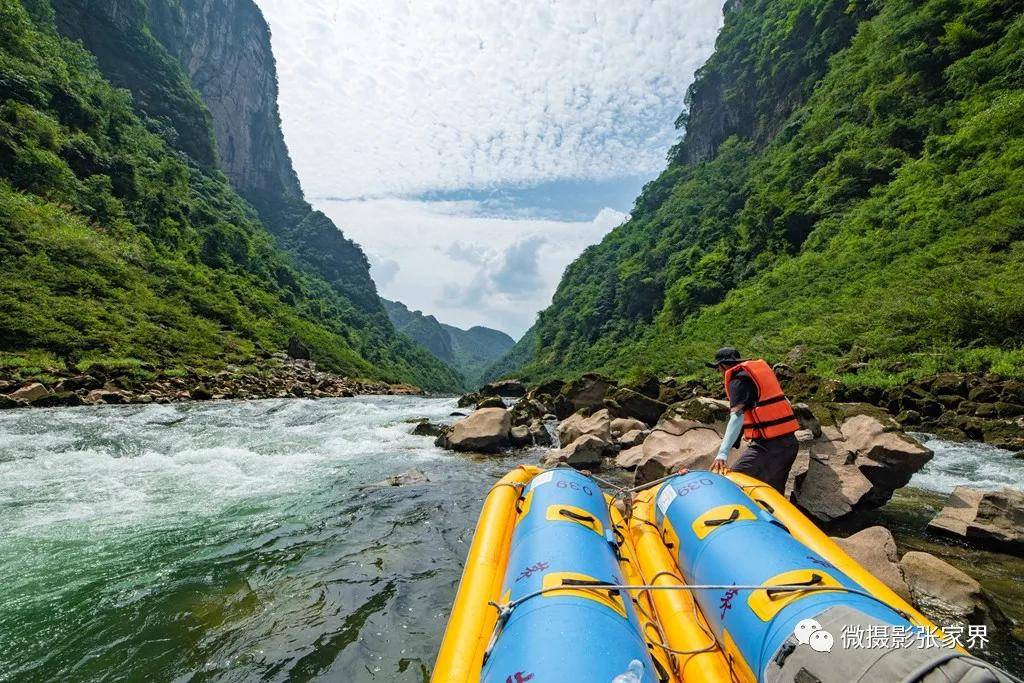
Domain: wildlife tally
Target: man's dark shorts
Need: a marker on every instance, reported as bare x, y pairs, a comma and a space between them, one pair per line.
769, 461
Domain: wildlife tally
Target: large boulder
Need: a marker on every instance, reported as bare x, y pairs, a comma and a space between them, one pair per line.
991, 518
945, 593
490, 402
630, 458
630, 403
633, 438
586, 393
577, 424
585, 452
621, 425
30, 393
486, 431
511, 388
664, 452
853, 466
701, 409
874, 548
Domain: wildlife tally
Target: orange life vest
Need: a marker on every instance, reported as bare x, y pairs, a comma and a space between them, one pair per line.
772, 416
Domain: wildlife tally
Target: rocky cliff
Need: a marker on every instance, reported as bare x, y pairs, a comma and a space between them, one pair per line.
220, 50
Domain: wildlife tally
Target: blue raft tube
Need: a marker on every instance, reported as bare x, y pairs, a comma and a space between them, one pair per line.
558, 626
772, 595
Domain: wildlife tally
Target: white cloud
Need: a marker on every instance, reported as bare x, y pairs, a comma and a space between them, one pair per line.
468, 269
383, 98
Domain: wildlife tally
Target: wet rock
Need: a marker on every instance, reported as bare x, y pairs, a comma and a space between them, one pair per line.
30, 393
79, 383
539, 433
457, 413
7, 403
909, 418
585, 452
58, 399
101, 396
986, 518
486, 430
426, 428
576, 425
945, 593
520, 436
633, 404
511, 388
469, 400
632, 438
526, 410
875, 549
621, 425
201, 393
491, 402
408, 478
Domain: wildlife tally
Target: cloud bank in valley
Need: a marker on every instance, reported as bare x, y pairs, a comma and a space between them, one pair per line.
385, 100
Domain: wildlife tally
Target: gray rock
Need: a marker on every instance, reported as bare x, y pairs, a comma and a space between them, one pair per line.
577, 424
638, 406
585, 452
632, 438
874, 548
621, 425
30, 393
987, 518
486, 430
511, 388
945, 593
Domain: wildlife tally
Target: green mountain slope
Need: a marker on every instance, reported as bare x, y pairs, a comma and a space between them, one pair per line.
116, 246
471, 351
850, 180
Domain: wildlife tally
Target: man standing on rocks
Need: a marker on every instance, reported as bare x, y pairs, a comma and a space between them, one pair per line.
761, 410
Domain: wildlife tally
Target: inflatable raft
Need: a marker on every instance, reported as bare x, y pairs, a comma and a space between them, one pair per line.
700, 578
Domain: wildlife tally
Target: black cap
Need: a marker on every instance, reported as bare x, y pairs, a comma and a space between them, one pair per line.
727, 355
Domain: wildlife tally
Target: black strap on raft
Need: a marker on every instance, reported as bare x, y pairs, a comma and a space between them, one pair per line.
719, 522
773, 593
586, 583
578, 517
765, 505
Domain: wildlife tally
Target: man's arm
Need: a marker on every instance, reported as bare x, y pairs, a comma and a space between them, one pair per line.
732, 432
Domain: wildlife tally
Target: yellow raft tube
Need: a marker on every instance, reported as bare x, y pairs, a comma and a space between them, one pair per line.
682, 644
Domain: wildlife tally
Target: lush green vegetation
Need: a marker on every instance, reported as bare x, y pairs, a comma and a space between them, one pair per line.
116, 246
851, 181
471, 351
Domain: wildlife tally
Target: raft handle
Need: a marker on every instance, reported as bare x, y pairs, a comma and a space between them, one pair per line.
773, 593
719, 522
610, 587
578, 517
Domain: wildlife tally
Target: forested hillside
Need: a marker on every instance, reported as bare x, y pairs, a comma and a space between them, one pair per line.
471, 351
121, 241
850, 180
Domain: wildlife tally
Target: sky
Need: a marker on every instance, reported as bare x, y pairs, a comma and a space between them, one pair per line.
474, 148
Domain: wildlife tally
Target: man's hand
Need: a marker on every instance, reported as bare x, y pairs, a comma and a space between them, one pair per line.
718, 466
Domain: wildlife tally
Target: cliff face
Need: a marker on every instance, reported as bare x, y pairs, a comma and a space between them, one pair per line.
222, 71
224, 46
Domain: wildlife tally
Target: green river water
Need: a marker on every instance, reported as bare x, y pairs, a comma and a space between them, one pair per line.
232, 541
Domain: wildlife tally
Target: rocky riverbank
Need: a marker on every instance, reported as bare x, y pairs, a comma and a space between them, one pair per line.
275, 376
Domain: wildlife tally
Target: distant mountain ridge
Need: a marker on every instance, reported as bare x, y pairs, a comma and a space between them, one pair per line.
471, 352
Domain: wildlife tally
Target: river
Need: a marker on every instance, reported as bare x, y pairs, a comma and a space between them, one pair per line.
235, 541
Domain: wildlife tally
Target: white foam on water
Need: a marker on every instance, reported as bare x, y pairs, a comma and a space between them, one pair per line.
973, 464
76, 472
